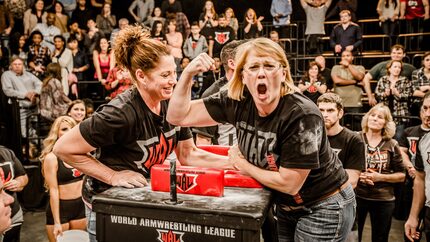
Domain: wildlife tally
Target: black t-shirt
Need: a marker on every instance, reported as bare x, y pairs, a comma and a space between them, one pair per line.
292, 136
130, 136
349, 147
10, 168
221, 36
326, 73
410, 139
311, 92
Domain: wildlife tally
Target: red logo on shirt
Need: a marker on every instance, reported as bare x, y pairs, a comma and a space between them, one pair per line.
222, 37
76, 173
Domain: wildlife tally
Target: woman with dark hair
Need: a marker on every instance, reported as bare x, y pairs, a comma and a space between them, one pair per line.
65, 210
103, 60
53, 101
33, 16
61, 18
174, 41
77, 110
313, 85
80, 63
383, 168
136, 115
18, 47
106, 21
63, 56
38, 56
157, 32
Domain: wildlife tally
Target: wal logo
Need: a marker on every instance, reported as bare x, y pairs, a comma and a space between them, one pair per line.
169, 236
186, 182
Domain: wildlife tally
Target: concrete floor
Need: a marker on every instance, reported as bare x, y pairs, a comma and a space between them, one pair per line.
33, 229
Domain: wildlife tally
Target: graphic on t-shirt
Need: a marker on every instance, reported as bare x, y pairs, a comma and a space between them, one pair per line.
6, 171
76, 172
222, 37
258, 145
413, 141
313, 88
377, 160
336, 151
156, 149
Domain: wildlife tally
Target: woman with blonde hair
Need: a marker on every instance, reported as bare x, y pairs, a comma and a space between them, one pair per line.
65, 209
272, 118
208, 19
383, 168
252, 27
231, 19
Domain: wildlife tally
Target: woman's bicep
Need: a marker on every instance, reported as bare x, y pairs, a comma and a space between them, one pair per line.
50, 167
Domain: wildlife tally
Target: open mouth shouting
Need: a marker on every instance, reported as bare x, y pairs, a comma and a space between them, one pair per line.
262, 91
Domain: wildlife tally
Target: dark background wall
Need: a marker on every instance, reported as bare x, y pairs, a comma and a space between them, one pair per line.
193, 8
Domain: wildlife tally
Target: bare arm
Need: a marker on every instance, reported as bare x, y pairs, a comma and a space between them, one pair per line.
341, 81
353, 175
368, 90
182, 111
50, 167
411, 225
356, 72
74, 149
303, 3
202, 140
188, 154
402, 10
97, 65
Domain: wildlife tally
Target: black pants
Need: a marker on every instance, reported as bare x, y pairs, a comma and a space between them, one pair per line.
13, 235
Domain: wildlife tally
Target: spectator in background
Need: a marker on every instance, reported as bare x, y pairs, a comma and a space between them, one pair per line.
208, 20
53, 101
281, 11
379, 70
252, 27
13, 179
103, 60
174, 41
106, 21
80, 63
97, 5
408, 145
48, 31
38, 56
222, 34
394, 91
315, 15
117, 82
312, 84
122, 24
89, 107
6, 20
63, 56
195, 43
69, 6
16, 9
346, 35
388, 11
420, 83
170, 6
18, 48
82, 14
93, 37
347, 78
421, 195
274, 36
61, 18
383, 168
415, 11
157, 32
77, 33
231, 19
141, 10
66, 209
156, 16
325, 72
77, 110
34, 16
25, 87
350, 5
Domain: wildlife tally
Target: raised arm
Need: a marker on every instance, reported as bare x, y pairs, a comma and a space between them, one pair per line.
182, 111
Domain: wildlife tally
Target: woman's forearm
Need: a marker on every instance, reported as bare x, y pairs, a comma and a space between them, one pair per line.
54, 201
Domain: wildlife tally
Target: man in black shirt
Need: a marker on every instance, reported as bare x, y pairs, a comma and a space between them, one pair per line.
346, 144
346, 35
222, 34
82, 14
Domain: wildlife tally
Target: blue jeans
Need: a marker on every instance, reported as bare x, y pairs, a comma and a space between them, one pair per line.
380, 212
328, 220
91, 223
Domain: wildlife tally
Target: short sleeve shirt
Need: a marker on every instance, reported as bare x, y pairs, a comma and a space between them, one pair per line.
380, 70
292, 136
349, 147
422, 163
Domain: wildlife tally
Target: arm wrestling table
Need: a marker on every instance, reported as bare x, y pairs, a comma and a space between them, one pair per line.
141, 214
